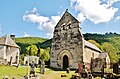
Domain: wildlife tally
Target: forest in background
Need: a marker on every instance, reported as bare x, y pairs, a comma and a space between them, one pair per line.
108, 42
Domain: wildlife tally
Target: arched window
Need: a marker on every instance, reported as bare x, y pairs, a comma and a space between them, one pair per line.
93, 55
63, 26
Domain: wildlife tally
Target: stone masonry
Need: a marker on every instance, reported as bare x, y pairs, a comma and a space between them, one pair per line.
69, 47
67, 43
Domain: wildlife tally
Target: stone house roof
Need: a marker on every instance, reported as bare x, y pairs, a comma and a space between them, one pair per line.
103, 55
7, 41
65, 15
92, 46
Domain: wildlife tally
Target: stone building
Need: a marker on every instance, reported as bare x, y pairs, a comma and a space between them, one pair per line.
68, 45
106, 59
29, 59
9, 50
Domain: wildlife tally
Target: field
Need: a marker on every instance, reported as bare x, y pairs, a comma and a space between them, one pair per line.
57, 75
12, 71
21, 71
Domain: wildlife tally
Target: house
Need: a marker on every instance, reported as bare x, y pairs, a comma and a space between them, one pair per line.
29, 59
69, 46
90, 51
9, 50
106, 59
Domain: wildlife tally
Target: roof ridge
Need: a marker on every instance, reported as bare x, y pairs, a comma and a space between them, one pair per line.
7, 40
87, 43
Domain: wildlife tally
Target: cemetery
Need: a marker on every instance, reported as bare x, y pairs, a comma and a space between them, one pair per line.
69, 57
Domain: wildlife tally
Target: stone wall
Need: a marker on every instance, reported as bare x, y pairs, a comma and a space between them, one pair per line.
67, 40
88, 54
2, 51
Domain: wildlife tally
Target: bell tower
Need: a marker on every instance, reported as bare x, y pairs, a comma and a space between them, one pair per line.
67, 43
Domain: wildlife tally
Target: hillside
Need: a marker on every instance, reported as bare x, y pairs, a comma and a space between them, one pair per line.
101, 38
29, 40
112, 38
26, 41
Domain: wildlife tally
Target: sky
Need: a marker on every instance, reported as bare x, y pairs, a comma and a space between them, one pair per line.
37, 18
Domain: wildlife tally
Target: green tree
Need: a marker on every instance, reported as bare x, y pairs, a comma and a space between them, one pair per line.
95, 43
107, 47
32, 50
44, 56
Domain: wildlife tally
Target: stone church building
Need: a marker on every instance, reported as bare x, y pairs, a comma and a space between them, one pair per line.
69, 46
9, 50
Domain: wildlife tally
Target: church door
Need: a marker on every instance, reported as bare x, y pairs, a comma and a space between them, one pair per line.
65, 62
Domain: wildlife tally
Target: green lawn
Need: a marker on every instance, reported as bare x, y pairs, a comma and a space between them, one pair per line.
57, 75
12, 71
51, 74
22, 71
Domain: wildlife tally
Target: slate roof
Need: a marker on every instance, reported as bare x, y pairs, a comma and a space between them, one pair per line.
6, 40
92, 46
103, 55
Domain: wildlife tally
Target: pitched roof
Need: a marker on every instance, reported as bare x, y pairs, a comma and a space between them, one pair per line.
92, 46
66, 15
103, 55
6, 40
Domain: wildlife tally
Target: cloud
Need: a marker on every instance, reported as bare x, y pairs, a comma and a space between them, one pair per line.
81, 17
95, 10
117, 18
45, 24
26, 34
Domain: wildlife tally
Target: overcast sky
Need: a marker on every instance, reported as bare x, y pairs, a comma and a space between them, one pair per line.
38, 18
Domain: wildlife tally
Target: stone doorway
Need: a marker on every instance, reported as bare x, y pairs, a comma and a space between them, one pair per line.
65, 62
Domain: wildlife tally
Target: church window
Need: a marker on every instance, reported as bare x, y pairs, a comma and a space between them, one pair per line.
93, 55
63, 26
69, 26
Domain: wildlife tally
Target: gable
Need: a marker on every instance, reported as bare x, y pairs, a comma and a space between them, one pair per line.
66, 19
6, 40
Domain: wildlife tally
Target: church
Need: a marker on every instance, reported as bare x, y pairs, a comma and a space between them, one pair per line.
69, 46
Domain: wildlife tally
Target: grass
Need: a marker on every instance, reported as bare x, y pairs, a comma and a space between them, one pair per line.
50, 74
11, 72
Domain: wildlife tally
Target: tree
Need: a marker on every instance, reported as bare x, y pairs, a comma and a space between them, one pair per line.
107, 47
95, 43
44, 56
32, 50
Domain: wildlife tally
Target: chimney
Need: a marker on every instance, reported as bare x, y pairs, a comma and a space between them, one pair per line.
12, 37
